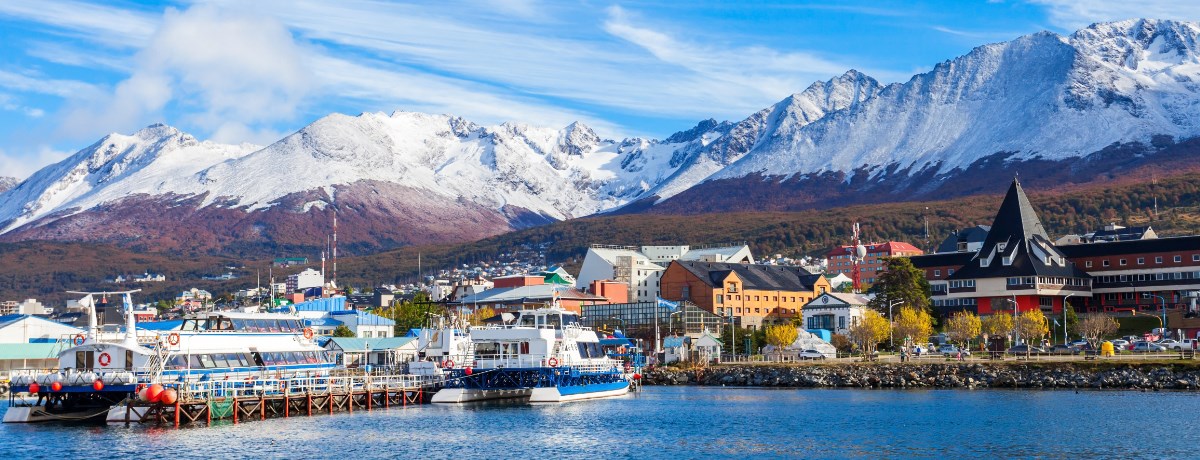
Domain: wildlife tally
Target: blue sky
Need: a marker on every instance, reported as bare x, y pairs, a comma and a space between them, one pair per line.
237, 71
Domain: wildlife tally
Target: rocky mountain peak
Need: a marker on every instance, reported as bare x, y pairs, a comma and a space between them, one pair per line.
577, 138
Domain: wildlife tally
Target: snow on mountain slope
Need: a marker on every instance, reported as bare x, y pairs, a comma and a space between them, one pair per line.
7, 183
149, 161
1041, 96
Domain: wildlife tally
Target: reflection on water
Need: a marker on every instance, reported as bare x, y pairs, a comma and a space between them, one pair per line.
680, 422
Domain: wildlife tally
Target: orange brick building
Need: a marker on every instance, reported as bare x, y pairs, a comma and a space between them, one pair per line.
753, 294
839, 258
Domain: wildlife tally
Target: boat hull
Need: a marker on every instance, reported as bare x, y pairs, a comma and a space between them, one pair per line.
463, 395
121, 414
578, 392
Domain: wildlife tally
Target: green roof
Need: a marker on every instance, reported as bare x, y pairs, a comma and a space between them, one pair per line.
353, 344
28, 350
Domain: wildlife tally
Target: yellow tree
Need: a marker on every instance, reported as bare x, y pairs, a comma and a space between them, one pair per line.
914, 323
963, 326
871, 329
998, 324
781, 336
481, 314
1032, 326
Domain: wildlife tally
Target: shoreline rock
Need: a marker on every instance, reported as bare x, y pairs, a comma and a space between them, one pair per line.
1144, 376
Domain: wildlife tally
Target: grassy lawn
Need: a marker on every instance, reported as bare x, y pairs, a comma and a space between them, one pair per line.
1136, 325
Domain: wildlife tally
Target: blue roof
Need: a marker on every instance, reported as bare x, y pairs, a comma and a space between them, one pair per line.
160, 325
13, 318
323, 322
616, 342
672, 342
366, 319
329, 304
361, 344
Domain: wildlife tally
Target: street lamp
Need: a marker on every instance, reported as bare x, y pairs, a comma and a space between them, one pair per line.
891, 321
1064, 307
1163, 328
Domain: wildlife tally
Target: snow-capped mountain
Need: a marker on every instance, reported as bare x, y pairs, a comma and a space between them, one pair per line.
8, 183
1034, 105
1057, 109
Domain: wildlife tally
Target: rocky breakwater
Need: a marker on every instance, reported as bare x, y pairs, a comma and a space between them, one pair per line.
958, 375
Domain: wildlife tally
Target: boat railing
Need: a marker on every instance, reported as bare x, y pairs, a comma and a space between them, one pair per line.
341, 382
527, 361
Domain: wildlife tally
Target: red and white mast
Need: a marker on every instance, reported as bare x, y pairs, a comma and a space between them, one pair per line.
857, 253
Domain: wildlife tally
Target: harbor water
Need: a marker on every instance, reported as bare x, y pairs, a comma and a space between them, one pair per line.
681, 422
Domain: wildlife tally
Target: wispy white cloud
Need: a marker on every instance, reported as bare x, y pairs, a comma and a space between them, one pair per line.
29, 81
230, 72
1072, 15
97, 23
21, 165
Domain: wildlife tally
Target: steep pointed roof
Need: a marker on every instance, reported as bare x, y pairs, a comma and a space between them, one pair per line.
1017, 245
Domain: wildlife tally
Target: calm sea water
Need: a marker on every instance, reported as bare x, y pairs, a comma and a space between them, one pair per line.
683, 422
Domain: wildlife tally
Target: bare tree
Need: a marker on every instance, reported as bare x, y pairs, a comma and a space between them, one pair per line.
1096, 326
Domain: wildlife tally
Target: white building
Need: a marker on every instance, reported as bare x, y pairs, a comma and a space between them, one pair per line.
641, 267
26, 307
20, 328
834, 311
308, 278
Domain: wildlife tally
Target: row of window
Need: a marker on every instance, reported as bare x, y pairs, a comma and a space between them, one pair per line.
1029, 280
1141, 261
738, 310
962, 283
968, 302
229, 360
949, 271
1149, 277
245, 325
721, 298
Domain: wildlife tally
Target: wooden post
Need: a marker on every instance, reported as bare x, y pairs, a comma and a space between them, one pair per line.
176, 412
287, 405
387, 399
308, 396
236, 409
350, 400
208, 413
262, 407
369, 397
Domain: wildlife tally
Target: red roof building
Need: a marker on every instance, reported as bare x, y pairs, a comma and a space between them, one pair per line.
839, 258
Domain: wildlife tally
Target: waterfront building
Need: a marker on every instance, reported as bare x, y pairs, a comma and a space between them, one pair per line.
1110, 233
25, 307
516, 292
641, 267
753, 295
290, 261
840, 260
306, 279
356, 351
325, 314
644, 319
1115, 270
19, 328
834, 312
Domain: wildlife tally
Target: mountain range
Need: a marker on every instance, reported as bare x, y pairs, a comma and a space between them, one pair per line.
1110, 102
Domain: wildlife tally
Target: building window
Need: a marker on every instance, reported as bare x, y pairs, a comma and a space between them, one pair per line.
1178, 259
949, 271
1045, 302
937, 273
1123, 263
731, 287
841, 322
1088, 264
1104, 263
720, 299
1158, 260
1195, 257
1141, 261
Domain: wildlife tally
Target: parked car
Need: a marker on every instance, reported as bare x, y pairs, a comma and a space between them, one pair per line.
951, 351
810, 354
1079, 344
1061, 349
1178, 345
1023, 349
1147, 347
1120, 345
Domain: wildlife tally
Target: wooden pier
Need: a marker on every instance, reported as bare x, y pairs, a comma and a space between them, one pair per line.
281, 397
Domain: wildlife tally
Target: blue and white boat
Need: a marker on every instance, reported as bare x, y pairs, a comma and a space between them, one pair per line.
542, 355
99, 370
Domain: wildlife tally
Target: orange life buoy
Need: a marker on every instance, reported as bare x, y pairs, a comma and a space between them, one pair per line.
448, 363
79, 338
308, 333
553, 362
105, 359
173, 339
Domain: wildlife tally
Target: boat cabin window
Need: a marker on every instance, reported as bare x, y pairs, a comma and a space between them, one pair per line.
554, 321
527, 321
84, 359
570, 320
239, 324
129, 360
487, 348
190, 325
178, 362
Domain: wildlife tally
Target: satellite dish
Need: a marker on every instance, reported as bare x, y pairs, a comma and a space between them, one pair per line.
860, 251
